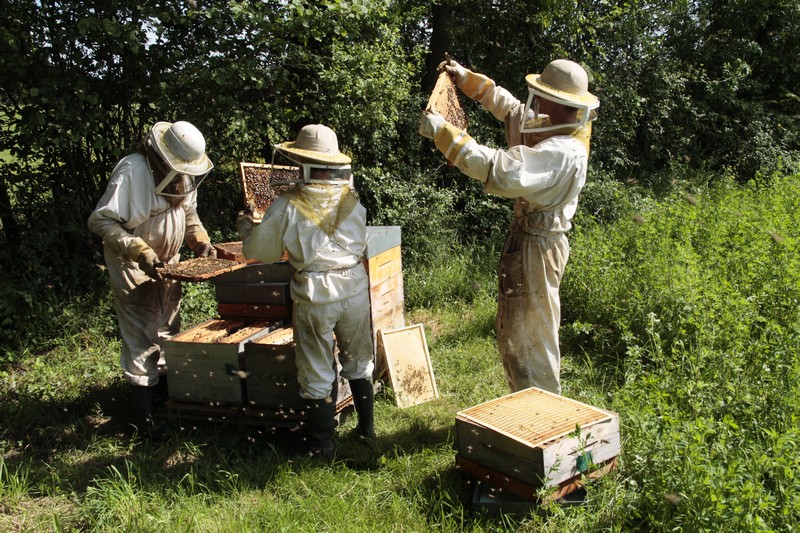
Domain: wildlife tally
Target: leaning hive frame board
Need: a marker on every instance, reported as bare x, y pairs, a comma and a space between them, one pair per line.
410, 372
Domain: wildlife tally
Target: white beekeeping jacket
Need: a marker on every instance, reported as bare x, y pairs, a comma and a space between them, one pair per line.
130, 208
323, 229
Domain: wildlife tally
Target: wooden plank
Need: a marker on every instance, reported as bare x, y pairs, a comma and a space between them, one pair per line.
384, 265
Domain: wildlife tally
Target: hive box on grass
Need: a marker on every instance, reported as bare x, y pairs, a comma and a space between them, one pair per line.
203, 363
533, 439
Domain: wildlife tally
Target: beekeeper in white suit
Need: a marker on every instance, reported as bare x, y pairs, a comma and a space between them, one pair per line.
543, 170
322, 226
148, 210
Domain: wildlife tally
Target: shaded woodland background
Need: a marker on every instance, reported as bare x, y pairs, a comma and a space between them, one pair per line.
703, 88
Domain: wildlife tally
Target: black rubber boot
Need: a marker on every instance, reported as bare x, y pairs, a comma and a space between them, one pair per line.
364, 401
320, 427
142, 407
160, 392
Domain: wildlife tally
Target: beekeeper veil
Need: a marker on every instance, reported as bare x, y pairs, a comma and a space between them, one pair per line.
326, 197
316, 151
181, 158
563, 82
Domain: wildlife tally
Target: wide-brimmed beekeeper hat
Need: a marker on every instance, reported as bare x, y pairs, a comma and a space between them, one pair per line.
565, 82
182, 147
315, 143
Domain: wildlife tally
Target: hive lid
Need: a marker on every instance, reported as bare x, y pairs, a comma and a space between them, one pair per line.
534, 416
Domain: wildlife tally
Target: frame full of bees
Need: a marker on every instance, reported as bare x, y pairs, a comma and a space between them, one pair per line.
444, 100
263, 182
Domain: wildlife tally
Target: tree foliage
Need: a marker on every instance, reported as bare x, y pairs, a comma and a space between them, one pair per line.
704, 83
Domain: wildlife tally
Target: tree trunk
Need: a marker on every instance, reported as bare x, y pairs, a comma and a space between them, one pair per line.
441, 17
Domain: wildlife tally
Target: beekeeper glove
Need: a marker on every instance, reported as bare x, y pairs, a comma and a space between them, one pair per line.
456, 71
205, 249
430, 122
149, 262
244, 223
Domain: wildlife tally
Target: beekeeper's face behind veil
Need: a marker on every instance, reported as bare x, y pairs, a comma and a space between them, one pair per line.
176, 153
562, 82
316, 151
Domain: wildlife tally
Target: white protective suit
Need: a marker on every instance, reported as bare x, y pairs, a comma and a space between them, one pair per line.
544, 174
130, 217
323, 228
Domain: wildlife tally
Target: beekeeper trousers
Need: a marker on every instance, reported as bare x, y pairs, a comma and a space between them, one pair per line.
315, 327
147, 315
529, 310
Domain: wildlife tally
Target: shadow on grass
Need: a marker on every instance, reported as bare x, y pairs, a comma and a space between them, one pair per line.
70, 445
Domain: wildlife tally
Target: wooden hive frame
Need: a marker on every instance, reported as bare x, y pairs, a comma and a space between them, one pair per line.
263, 182
445, 100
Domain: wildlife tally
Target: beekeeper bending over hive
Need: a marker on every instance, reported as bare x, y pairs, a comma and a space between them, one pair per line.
148, 210
543, 170
322, 226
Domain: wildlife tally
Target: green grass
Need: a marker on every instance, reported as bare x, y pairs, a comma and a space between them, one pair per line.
682, 317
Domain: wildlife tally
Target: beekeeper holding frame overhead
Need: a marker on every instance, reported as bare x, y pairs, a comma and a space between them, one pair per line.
543, 170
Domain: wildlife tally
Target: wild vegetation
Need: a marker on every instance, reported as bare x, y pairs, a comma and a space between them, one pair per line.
680, 301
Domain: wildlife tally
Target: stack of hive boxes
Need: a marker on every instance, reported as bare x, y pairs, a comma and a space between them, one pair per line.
533, 443
243, 363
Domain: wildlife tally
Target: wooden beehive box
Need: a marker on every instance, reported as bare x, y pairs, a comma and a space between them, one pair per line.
534, 439
203, 363
272, 387
257, 291
385, 271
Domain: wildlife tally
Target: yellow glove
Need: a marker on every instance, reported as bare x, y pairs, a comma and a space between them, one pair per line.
205, 249
148, 261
